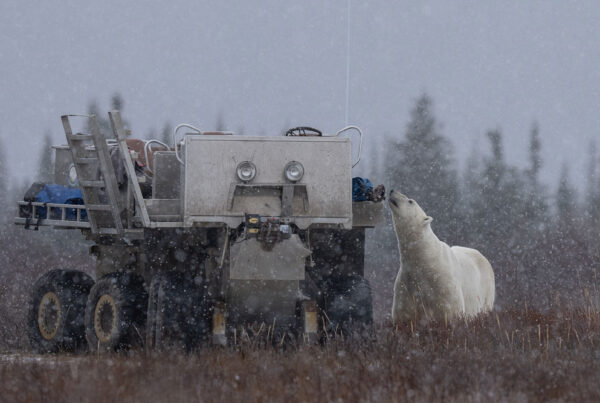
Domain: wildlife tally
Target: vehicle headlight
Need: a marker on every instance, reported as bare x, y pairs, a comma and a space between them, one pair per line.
72, 173
294, 171
246, 171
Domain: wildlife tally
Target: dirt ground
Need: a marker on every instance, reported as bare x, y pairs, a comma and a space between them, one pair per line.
507, 356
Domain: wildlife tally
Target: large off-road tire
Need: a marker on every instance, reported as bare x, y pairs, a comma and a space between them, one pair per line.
178, 314
56, 311
349, 305
115, 313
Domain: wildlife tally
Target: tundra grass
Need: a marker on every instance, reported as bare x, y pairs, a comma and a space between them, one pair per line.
510, 355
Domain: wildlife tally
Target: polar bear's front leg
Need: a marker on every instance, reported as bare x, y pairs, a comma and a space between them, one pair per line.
461, 303
402, 307
456, 305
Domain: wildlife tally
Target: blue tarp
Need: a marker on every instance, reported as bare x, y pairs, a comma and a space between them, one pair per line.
361, 188
52, 193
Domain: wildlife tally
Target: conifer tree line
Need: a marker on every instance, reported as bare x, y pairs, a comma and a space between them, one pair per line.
544, 246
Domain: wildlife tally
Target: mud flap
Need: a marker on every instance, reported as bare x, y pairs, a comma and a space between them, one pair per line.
219, 335
310, 323
285, 261
264, 284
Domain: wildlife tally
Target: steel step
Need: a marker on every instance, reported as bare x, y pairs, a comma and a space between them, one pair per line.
98, 207
85, 160
92, 184
108, 231
81, 137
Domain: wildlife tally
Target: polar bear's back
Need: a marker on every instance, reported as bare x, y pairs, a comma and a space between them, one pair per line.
477, 279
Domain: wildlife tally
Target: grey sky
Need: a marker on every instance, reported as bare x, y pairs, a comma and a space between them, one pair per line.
267, 64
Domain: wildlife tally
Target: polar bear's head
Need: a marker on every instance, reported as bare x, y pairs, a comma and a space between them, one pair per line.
409, 217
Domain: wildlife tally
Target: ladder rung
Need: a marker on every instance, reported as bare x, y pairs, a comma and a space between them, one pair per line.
85, 160
81, 136
112, 231
98, 207
92, 184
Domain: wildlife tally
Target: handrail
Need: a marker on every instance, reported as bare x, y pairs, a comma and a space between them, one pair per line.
146, 152
360, 141
42, 204
175, 138
50, 206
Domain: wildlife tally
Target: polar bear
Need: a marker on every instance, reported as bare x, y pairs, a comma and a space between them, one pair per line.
436, 281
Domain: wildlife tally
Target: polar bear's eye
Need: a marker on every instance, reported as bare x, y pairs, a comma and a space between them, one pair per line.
410, 201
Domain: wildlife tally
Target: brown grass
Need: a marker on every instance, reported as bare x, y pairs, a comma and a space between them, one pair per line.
510, 355
502, 356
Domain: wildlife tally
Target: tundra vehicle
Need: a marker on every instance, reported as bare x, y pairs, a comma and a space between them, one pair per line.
200, 240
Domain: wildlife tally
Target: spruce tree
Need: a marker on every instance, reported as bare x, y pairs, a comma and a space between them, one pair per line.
166, 134
568, 256
592, 202
116, 103
498, 220
45, 172
536, 207
4, 178
423, 169
471, 197
566, 204
591, 223
534, 219
103, 122
535, 158
4, 186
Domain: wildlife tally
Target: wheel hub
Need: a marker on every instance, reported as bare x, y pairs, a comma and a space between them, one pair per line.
49, 314
105, 318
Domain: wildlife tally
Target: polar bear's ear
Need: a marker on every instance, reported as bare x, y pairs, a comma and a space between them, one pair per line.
427, 220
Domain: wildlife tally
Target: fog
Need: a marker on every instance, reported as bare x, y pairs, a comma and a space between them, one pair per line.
485, 113
270, 64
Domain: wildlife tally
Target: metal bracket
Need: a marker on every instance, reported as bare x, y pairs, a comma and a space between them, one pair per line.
288, 191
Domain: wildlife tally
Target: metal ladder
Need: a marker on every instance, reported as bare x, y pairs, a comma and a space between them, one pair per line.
103, 208
116, 124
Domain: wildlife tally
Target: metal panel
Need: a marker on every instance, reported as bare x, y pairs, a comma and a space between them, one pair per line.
249, 261
161, 209
367, 214
166, 181
210, 171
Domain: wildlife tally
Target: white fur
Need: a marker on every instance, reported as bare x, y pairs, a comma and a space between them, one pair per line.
436, 281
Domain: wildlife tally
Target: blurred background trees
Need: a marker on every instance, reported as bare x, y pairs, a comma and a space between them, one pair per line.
544, 246
542, 240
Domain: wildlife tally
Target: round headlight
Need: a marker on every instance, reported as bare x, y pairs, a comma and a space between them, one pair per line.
246, 171
294, 171
72, 175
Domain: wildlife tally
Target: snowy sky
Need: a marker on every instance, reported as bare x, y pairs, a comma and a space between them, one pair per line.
270, 64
